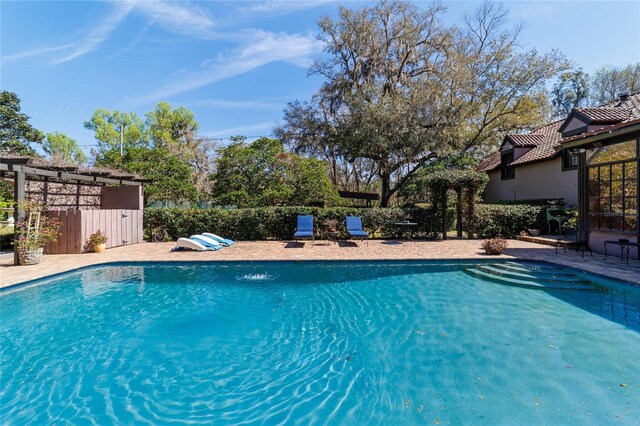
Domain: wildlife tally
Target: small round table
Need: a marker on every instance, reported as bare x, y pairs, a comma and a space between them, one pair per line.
332, 236
406, 229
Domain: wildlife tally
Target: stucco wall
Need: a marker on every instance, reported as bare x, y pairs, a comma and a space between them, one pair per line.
534, 181
575, 123
597, 239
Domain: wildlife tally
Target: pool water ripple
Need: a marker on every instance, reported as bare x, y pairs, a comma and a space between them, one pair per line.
311, 343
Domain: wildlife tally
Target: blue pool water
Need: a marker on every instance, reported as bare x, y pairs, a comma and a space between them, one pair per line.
315, 343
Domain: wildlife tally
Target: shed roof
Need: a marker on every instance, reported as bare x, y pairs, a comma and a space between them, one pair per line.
42, 168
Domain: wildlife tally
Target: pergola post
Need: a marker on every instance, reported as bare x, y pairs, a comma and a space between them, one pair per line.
459, 212
19, 182
444, 213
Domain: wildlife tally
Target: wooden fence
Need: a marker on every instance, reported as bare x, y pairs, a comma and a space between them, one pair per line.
122, 227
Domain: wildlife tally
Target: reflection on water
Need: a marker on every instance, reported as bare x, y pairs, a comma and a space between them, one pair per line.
305, 343
98, 281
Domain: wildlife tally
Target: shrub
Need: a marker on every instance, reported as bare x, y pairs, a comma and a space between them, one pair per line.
508, 220
494, 245
269, 223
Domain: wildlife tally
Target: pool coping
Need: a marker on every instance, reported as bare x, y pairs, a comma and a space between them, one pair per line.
472, 260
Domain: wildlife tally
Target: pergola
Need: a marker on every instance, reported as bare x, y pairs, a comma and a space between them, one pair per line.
368, 197
76, 195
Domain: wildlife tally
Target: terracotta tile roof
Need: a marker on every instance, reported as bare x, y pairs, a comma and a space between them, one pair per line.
614, 113
605, 115
528, 140
545, 149
545, 139
632, 103
490, 163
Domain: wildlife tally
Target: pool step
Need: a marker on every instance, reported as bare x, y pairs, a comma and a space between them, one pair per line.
537, 268
530, 275
523, 268
500, 276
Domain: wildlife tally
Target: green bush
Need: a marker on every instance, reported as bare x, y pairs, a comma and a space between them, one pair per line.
278, 223
508, 220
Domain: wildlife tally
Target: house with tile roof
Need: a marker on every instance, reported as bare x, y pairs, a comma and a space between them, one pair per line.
528, 167
532, 166
591, 159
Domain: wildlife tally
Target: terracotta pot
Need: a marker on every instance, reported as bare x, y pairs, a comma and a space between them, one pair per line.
492, 251
100, 248
30, 257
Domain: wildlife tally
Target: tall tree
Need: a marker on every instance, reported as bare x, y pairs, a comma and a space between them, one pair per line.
176, 131
309, 130
17, 135
263, 174
61, 147
170, 178
115, 128
570, 91
172, 128
609, 82
165, 148
491, 84
401, 88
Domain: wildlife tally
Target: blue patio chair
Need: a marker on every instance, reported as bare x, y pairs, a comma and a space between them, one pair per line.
304, 229
354, 228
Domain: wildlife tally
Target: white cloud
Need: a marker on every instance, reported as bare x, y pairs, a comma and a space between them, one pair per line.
259, 48
134, 43
35, 52
263, 128
222, 103
279, 6
101, 32
181, 18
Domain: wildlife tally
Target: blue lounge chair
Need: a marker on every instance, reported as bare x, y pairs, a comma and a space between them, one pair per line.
354, 228
304, 230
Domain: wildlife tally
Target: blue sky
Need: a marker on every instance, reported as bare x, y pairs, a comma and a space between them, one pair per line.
234, 64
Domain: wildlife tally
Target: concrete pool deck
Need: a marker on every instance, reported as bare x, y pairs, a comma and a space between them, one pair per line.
281, 250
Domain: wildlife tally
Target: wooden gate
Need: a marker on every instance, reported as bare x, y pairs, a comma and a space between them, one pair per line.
122, 227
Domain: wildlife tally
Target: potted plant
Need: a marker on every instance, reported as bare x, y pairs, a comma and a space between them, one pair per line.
97, 242
34, 233
494, 246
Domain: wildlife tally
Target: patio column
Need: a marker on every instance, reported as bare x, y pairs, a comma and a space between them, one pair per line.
18, 212
583, 195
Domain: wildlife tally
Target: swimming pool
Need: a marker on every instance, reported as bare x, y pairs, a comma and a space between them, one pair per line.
318, 342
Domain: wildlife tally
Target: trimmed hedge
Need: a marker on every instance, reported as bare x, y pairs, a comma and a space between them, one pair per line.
508, 220
278, 223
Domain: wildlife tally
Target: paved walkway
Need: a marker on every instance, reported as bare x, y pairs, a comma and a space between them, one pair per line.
279, 250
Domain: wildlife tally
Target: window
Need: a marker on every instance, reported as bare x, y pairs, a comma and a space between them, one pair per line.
613, 188
569, 160
506, 170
